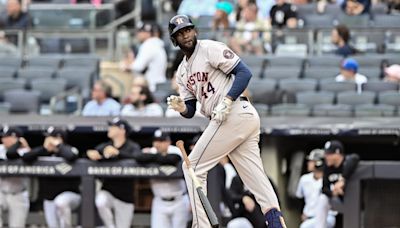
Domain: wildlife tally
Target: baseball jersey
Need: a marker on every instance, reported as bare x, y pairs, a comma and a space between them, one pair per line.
309, 188
204, 76
171, 187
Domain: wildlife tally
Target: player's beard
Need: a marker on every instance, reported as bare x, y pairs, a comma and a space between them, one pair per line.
190, 49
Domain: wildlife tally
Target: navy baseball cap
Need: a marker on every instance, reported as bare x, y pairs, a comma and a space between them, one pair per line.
161, 136
333, 147
121, 123
350, 64
55, 132
11, 131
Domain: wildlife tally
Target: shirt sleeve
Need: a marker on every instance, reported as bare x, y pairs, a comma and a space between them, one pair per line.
299, 191
142, 59
222, 57
292, 12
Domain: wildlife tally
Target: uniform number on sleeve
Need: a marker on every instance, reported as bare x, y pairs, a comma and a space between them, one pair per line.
206, 91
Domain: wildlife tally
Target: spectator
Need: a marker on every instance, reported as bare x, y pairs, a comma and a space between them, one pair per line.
101, 104
196, 8
356, 7
151, 58
15, 18
170, 206
223, 10
337, 170
283, 15
309, 189
114, 201
14, 195
6, 47
248, 38
61, 195
394, 6
341, 37
349, 72
141, 103
392, 73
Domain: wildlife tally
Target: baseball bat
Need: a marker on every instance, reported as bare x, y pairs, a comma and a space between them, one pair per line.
203, 198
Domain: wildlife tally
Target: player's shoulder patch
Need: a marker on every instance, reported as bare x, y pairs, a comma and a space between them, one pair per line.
228, 54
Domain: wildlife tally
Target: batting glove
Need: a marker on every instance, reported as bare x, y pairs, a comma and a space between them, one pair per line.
222, 110
176, 103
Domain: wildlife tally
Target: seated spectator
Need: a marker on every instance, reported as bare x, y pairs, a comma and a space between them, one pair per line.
15, 17
141, 103
340, 37
349, 72
151, 58
223, 10
170, 206
394, 6
283, 15
337, 169
392, 73
14, 195
114, 201
248, 37
101, 104
309, 189
356, 7
61, 195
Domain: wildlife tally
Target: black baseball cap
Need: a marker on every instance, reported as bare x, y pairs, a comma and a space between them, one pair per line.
11, 131
161, 136
55, 132
333, 147
121, 123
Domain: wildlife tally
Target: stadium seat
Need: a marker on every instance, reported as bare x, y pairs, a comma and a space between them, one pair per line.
371, 110
393, 59
10, 84
392, 43
30, 73
359, 21
329, 110
253, 61
380, 86
87, 62
328, 72
306, 9
164, 86
7, 72
41, 61
273, 62
332, 9
333, 86
292, 86
370, 40
313, 98
77, 78
289, 36
262, 109
22, 101
369, 60
372, 73
297, 50
264, 91
10, 62
379, 9
354, 98
315, 21
48, 87
290, 110
386, 21
281, 73
332, 61
389, 98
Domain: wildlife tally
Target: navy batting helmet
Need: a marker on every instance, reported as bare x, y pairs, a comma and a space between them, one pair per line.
177, 23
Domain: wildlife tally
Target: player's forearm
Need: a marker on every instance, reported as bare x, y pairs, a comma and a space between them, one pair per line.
350, 165
190, 108
242, 77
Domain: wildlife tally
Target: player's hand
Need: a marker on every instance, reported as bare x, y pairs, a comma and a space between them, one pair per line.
222, 110
24, 143
93, 155
176, 103
110, 151
249, 203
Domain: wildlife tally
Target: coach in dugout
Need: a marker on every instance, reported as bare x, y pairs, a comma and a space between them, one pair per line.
114, 201
61, 195
337, 169
14, 195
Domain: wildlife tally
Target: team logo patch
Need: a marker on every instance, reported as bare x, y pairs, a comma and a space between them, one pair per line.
228, 54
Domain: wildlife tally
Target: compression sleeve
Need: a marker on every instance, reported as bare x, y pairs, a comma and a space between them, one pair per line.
242, 77
190, 108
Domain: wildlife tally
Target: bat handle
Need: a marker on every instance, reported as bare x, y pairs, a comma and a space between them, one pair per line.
181, 147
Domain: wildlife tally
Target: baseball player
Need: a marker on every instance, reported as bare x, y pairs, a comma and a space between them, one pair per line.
309, 189
170, 206
14, 195
337, 169
216, 77
61, 195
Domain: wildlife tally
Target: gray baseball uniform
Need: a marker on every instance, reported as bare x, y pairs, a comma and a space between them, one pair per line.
204, 76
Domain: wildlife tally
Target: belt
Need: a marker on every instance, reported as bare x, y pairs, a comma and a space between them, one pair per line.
243, 99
